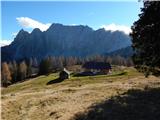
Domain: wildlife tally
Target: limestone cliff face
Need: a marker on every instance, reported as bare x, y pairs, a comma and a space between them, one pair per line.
62, 40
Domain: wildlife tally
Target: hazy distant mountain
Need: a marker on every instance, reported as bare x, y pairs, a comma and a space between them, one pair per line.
124, 52
62, 40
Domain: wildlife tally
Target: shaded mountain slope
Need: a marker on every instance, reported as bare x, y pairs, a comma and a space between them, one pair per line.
63, 40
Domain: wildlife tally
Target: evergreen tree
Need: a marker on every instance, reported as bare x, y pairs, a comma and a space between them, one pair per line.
34, 62
45, 67
15, 71
53, 63
29, 67
146, 39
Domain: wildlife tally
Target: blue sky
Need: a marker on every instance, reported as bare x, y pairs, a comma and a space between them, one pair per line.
28, 15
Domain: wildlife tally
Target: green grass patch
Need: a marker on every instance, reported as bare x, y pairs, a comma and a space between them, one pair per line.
32, 84
41, 81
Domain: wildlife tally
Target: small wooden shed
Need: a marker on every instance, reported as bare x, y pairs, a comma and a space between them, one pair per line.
64, 74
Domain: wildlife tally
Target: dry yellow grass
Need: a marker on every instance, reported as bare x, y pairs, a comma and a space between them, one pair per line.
34, 100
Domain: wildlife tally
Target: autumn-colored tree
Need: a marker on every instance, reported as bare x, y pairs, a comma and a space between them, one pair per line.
10, 65
6, 75
98, 58
129, 62
108, 60
60, 63
22, 71
69, 61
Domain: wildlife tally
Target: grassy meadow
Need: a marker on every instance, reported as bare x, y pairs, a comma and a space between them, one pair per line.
74, 98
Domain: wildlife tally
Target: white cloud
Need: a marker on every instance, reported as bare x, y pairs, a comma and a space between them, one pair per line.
30, 23
114, 27
14, 34
73, 24
5, 42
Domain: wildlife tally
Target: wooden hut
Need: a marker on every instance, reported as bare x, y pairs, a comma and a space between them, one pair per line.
64, 74
97, 67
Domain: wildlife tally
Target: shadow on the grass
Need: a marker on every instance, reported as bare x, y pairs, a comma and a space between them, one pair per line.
132, 105
58, 80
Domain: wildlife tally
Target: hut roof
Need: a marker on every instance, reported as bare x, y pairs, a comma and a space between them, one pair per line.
96, 65
66, 71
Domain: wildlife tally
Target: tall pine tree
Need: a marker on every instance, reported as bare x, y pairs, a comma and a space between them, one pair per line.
45, 67
146, 39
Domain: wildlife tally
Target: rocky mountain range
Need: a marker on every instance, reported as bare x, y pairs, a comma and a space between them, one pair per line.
123, 52
63, 40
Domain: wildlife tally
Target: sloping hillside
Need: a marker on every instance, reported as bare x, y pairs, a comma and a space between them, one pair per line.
35, 100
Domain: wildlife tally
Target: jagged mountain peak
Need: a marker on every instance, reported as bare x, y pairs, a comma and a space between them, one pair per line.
59, 26
65, 40
36, 30
55, 25
21, 32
